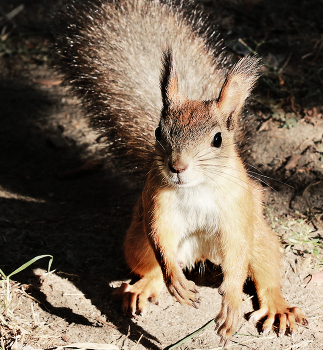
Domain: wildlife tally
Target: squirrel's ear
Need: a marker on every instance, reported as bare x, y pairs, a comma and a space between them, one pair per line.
169, 80
236, 89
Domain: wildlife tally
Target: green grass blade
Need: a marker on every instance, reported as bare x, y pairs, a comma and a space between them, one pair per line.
50, 263
3, 275
190, 336
24, 266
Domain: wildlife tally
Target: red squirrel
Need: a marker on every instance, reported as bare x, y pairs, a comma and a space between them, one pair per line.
153, 77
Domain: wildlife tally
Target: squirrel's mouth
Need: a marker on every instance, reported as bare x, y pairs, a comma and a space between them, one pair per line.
180, 183
178, 180
183, 179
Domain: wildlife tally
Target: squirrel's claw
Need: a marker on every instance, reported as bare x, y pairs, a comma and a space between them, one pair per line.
183, 290
279, 310
196, 303
228, 319
135, 296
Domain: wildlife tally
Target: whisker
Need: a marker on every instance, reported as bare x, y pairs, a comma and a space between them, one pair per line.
196, 154
222, 187
214, 157
268, 177
252, 166
262, 181
252, 176
219, 173
161, 145
249, 172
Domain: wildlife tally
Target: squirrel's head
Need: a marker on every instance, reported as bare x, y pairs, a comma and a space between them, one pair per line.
195, 139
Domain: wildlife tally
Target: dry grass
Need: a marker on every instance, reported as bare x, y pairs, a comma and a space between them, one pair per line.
14, 328
290, 83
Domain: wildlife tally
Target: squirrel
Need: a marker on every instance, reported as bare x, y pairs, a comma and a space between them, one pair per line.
155, 79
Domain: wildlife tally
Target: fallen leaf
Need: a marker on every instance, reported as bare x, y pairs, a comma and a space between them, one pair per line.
92, 346
89, 166
263, 126
49, 82
92, 165
292, 162
304, 170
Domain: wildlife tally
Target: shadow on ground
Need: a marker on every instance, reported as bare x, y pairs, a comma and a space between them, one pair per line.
82, 221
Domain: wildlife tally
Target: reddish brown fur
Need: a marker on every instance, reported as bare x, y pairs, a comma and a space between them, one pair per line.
243, 243
198, 202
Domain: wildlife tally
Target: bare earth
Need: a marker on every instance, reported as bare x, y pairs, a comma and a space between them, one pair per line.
49, 205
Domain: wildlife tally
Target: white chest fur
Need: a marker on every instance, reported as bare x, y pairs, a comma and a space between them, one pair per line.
196, 221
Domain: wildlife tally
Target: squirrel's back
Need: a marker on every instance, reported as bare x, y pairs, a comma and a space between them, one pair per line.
111, 53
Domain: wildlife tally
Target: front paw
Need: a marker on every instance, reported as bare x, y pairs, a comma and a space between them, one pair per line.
228, 319
183, 290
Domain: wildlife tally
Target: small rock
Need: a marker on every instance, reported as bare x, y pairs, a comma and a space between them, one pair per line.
58, 142
292, 162
65, 337
318, 137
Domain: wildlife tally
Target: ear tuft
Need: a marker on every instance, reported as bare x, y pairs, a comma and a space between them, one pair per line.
230, 122
237, 87
169, 80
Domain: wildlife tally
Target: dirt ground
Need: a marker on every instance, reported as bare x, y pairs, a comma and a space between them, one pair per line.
60, 195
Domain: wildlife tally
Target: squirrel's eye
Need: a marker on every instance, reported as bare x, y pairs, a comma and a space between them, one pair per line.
158, 133
217, 141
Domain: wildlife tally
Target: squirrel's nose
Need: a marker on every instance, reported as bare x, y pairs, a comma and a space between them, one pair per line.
178, 167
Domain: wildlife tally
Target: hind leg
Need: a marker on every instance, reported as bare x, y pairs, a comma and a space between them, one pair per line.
134, 297
142, 261
274, 307
265, 272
